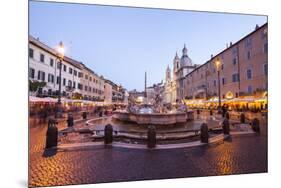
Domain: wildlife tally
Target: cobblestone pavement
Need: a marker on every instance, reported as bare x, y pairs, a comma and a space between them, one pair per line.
243, 154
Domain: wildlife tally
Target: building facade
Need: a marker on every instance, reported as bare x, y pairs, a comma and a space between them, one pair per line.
114, 93
77, 80
91, 85
44, 67
174, 87
169, 87
243, 70
108, 91
182, 67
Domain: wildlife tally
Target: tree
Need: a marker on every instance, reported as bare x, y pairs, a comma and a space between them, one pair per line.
35, 85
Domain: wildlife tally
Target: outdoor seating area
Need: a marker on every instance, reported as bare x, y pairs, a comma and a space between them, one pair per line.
251, 103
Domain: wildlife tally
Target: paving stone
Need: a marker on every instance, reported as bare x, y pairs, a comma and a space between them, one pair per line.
247, 154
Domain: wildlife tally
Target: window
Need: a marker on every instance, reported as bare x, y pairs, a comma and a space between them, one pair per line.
264, 34
265, 48
248, 43
69, 83
80, 86
234, 61
51, 78
234, 51
74, 84
41, 76
265, 69
223, 81
90, 78
249, 55
58, 80
70, 70
58, 65
64, 81
215, 82
250, 89
75, 73
51, 62
32, 73
64, 68
80, 74
235, 77
90, 89
42, 58
86, 88
249, 74
222, 67
31, 53
86, 77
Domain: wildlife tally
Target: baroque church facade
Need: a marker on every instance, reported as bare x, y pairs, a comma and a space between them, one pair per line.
174, 81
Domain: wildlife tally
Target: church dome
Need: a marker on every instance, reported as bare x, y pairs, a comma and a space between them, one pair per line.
185, 60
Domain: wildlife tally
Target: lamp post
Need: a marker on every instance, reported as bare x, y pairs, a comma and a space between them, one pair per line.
60, 54
218, 65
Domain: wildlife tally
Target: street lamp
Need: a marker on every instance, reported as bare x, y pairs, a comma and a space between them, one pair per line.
218, 65
60, 54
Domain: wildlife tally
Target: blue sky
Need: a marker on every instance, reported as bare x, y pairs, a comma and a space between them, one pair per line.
122, 43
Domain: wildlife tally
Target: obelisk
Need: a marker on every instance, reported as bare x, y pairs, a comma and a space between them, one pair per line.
145, 95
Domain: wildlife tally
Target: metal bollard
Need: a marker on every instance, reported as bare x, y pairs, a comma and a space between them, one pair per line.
52, 134
108, 134
100, 114
227, 116
84, 115
70, 120
256, 125
211, 112
242, 118
204, 133
225, 126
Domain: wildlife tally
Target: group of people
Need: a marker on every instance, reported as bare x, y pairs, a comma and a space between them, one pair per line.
39, 113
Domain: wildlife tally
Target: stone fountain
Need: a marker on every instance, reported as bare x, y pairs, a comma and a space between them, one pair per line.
153, 114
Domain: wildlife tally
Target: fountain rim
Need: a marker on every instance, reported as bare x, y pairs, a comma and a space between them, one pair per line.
156, 114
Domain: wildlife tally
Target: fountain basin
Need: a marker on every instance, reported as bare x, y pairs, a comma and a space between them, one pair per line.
153, 118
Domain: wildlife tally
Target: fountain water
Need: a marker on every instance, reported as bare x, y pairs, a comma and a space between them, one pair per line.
153, 114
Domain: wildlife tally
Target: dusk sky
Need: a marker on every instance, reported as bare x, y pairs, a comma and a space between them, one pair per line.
122, 43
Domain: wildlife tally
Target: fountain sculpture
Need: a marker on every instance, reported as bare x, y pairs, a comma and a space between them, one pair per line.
156, 113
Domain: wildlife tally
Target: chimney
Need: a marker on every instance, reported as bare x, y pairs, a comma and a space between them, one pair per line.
37, 38
230, 44
211, 56
257, 26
